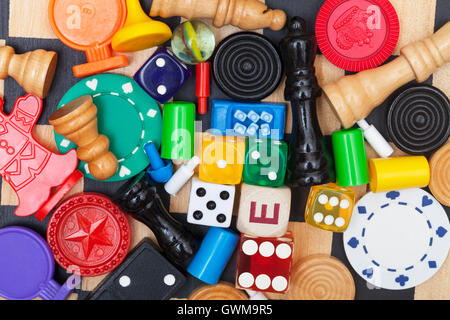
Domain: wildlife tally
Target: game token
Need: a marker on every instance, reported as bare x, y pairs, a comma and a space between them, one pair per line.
418, 119
126, 115
247, 66
89, 235
357, 35
221, 291
321, 277
440, 175
399, 239
27, 267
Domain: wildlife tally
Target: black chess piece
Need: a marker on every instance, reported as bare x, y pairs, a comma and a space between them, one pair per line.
307, 163
143, 201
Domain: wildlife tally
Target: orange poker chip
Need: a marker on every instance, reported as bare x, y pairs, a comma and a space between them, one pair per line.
90, 27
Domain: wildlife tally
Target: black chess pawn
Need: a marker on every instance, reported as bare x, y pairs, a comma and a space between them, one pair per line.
143, 201
307, 163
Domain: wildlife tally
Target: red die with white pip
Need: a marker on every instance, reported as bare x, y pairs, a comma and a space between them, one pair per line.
264, 264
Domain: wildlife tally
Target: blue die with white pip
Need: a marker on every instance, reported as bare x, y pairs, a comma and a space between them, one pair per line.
163, 75
258, 120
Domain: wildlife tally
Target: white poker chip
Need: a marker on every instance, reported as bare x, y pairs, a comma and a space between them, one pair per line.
397, 240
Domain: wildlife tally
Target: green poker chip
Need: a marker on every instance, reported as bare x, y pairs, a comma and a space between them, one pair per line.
127, 115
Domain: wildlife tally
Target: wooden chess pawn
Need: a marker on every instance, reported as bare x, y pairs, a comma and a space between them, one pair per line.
77, 121
33, 70
245, 14
353, 97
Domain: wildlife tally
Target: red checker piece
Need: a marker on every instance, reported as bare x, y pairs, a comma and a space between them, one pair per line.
357, 35
89, 235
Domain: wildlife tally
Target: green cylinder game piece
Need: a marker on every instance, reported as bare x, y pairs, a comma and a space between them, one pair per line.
178, 130
350, 158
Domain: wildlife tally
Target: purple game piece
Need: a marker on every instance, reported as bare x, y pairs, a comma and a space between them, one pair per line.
27, 267
163, 75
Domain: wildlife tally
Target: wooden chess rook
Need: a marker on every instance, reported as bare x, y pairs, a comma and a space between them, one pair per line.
245, 14
33, 70
353, 97
77, 121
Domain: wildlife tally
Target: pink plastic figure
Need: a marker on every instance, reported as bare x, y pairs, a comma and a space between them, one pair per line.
30, 169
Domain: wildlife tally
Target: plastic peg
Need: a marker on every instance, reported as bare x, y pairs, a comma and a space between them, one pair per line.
203, 71
181, 176
160, 170
375, 139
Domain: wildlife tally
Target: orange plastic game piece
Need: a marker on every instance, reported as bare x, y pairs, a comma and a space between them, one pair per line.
89, 27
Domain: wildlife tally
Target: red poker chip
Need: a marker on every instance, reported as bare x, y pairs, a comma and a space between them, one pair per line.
89, 235
357, 35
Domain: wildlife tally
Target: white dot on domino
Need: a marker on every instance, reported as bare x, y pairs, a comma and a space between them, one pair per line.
124, 281
169, 280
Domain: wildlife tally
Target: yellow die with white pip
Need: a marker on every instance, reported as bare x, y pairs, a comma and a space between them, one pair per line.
330, 207
222, 160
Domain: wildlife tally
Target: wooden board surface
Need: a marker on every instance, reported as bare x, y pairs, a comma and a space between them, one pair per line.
24, 25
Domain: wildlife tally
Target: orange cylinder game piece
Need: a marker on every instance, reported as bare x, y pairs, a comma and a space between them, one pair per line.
89, 27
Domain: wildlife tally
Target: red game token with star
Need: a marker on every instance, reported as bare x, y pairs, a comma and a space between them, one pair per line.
89, 235
357, 35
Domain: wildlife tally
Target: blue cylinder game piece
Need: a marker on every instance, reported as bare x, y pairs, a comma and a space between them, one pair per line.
160, 170
214, 253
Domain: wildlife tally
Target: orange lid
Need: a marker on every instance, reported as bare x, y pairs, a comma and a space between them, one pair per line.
83, 25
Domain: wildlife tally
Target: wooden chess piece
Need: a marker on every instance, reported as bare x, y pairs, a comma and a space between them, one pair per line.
245, 14
307, 162
220, 291
33, 70
321, 277
353, 97
143, 201
77, 121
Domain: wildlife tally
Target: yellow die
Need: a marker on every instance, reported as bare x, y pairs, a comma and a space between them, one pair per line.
222, 159
330, 207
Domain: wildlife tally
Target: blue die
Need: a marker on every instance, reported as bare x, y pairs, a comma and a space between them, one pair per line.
163, 75
259, 120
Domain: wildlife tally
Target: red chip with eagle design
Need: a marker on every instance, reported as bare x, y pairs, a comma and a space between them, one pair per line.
89, 235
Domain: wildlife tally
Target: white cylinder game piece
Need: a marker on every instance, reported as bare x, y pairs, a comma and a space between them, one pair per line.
181, 176
375, 139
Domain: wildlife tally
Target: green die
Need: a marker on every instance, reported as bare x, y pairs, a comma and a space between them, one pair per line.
265, 162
